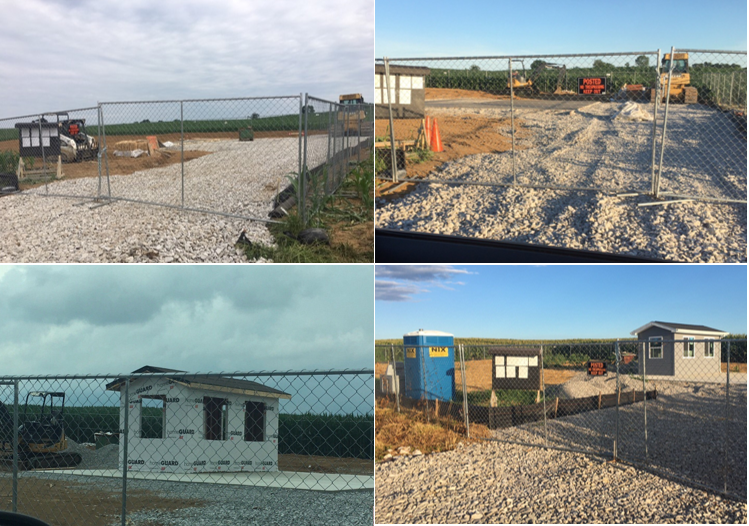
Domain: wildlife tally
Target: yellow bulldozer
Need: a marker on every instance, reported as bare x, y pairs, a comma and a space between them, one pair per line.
680, 90
349, 120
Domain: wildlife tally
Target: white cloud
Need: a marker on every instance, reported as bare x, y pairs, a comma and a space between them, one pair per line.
62, 55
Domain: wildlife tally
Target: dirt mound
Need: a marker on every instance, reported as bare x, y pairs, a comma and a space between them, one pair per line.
449, 93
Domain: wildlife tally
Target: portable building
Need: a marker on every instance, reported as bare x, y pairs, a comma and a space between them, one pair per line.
179, 423
678, 349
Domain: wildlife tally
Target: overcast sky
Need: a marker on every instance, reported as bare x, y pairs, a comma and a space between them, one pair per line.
60, 55
68, 319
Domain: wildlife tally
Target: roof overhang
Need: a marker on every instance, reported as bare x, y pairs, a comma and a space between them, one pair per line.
678, 330
232, 390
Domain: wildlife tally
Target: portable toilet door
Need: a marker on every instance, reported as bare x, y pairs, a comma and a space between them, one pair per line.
429, 358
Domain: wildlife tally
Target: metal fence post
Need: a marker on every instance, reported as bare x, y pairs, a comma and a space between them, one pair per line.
301, 114
302, 205
182, 147
665, 124
730, 91
543, 389
616, 436
465, 389
645, 400
656, 99
15, 447
327, 159
393, 159
397, 384
727, 419
106, 157
512, 122
124, 451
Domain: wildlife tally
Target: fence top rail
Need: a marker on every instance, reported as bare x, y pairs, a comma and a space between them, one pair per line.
505, 57
679, 50
552, 343
184, 374
200, 100
42, 114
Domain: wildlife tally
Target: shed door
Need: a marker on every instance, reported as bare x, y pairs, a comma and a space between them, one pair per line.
215, 412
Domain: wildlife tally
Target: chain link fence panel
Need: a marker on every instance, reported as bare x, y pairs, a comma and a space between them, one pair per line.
240, 157
674, 407
54, 153
111, 445
702, 129
336, 137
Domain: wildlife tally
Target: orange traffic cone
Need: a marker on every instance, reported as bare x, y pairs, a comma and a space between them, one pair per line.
436, 140
428, 130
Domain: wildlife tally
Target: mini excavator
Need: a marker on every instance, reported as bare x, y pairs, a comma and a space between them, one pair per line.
41, 435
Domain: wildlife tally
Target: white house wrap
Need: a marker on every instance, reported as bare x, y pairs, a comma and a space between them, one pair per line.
206, 423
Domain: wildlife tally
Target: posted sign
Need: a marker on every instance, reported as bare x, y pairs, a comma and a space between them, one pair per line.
597, 368
592, 85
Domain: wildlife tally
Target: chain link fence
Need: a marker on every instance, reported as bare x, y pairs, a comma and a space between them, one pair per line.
675, 407
592, 122
76, 448
240, 157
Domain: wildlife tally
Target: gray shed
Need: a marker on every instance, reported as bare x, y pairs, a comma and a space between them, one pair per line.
679, 349
407, 92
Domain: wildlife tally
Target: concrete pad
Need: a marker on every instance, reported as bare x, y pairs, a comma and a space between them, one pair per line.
277, 479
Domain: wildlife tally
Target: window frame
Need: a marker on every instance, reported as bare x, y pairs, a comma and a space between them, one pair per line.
650, 347
688, 348
709, 345
163, 416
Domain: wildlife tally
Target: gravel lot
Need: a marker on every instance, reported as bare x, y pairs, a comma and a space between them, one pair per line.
238, 178
508, 483
588, 148
240, 504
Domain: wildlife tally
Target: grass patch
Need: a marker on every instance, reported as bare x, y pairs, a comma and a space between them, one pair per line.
505, 397
347, 216
418, 430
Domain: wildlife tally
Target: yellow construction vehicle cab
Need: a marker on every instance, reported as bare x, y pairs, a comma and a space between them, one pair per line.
350, 118
680, 90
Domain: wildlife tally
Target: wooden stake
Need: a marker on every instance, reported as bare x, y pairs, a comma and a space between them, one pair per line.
599, 399
619, 396
538, 396
21, 166
59, 166
436, 408
556, 406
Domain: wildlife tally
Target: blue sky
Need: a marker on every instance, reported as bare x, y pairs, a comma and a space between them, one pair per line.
556, 301
438, 28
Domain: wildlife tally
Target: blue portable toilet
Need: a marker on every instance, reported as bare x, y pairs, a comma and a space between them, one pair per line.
429, 358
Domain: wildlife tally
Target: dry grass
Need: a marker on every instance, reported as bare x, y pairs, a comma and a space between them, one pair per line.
416, 429
735, 367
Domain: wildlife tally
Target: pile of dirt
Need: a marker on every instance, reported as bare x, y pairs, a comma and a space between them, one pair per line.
449, 94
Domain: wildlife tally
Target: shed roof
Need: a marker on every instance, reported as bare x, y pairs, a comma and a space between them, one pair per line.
207, 382
422, 332
680, 328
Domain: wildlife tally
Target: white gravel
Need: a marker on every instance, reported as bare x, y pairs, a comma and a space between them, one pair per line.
237, 178
501, 483
587, 148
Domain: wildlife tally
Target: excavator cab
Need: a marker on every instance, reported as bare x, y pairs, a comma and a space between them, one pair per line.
44, 432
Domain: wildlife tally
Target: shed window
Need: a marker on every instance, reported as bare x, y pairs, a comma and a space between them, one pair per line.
215, 418
709, 349
254, 422
689, 348
656, 347
152, 416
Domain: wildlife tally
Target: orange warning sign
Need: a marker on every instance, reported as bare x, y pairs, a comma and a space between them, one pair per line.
592, 85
